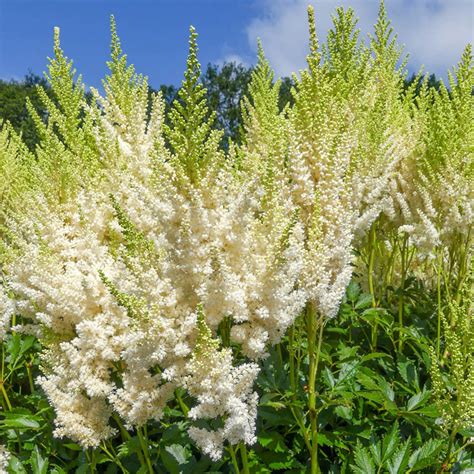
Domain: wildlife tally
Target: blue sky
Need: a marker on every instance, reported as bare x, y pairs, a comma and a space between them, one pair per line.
154, 32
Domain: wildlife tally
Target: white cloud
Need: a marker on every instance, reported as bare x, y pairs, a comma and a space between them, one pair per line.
434, 32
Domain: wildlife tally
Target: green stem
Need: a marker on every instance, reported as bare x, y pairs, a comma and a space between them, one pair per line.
126, 437
125, 434
388, 276
30, 375
91, 460
113, 457
401, 297
372, 242
447, 459
291, 357
145, 450
5, 395
235, 464
312, 331
244, 457
438, 285
9, 406
184, 407
463, 266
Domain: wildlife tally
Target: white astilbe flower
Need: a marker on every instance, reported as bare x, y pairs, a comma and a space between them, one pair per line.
111, 280
328, 254
78, 416
321, 190
221, 390
371, 179
4, 459
7, 308
433, 191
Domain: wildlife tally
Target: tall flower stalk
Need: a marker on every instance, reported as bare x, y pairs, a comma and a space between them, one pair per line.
156, 268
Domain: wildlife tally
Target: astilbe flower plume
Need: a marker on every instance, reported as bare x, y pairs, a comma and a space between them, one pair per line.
120, 258
440, 207
147, 260
321, 146
452, 372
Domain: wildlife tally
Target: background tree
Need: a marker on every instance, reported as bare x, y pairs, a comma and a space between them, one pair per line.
13, 96
226, 86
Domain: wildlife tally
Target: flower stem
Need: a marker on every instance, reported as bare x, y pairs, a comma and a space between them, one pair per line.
244, 457
401, 296
28, 366
314, 349
5, 395
372, 242
145, 450
438, 287
235, 464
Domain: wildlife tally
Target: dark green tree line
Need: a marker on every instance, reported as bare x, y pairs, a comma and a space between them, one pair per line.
226, 86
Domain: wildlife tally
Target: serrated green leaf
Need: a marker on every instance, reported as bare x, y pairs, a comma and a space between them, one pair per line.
16, 466
368, 381
390, 443
364, 463
371, 314
38, 463
399, 462
57, 470
344, 412
26, 343
375, 448
373, 396
417, 400
353, 291
278, 461
429, 410
386, 389
329, 378
73, 446
82, 469
180, 453
408, 371
375, 355
175, 457
365, 301
426, 455
19, 421
273, 441
129, 447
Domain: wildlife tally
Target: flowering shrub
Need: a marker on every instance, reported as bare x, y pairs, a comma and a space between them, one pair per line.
150, 264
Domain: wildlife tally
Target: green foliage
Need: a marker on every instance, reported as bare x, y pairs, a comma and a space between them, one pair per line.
13, 108
385, 403
393, 456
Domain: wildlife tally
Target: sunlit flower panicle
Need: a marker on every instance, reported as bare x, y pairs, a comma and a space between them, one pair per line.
7, 308
221, 390
147, 259
109, 277
318, 165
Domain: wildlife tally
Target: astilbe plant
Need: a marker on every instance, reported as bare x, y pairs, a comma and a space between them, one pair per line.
150, 263
113, 272
452, 372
